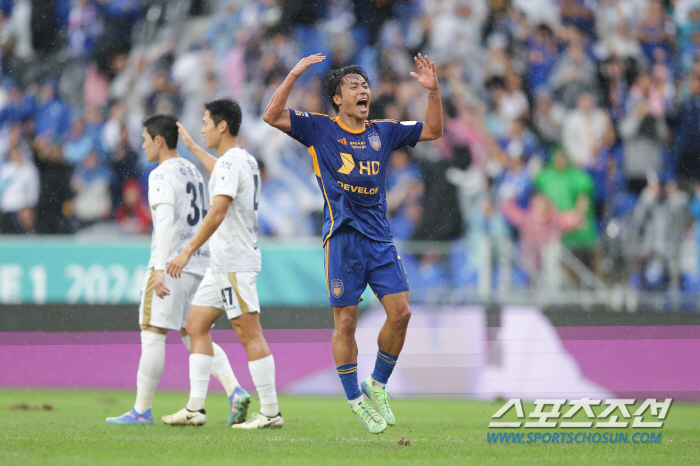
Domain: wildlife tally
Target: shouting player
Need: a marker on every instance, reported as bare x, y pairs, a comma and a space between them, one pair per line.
177, 198
229, 284
350, 157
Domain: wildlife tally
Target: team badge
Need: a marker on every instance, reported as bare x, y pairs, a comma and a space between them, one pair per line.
374, 141
337, 288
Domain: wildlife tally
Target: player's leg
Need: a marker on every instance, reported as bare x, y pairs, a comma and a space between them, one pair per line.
388, 279
243, 309
198, 328
221, 369
155, 318
345, 277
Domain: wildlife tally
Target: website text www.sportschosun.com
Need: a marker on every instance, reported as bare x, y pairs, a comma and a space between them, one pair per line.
572, 437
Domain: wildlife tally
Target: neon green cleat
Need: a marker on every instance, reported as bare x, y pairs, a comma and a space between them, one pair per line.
378, 398
372, 421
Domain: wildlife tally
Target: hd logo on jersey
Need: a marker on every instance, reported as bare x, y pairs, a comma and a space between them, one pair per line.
374, 141
337, 288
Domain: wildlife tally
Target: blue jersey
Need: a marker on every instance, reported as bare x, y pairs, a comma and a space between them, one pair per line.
350, 168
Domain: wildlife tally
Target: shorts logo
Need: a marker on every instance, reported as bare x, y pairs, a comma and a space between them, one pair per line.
337, 288
374, 141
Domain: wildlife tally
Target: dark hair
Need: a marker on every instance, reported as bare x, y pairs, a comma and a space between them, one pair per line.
331, 81
164, 126
226, 110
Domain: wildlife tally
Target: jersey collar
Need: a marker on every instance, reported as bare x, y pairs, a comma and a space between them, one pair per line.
353, 131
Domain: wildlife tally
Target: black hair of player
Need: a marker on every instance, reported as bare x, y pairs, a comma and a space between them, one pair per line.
226, 110
164, 126
331, 81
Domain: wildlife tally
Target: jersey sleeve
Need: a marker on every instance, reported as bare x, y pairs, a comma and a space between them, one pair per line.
406, 133
160, 190
306, 126
226, 175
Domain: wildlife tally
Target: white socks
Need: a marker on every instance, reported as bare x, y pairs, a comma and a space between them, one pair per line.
150, 369
200, 369
263, 373
221, 368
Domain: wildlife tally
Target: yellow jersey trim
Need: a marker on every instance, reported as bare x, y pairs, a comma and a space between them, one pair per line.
353, 131
312, 151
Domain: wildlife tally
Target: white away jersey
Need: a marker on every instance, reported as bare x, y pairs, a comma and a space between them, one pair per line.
178, 182
234, 245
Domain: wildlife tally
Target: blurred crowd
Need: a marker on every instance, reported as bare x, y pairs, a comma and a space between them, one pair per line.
574, 122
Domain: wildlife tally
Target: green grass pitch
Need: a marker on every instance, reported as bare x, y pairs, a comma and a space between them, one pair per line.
316, 431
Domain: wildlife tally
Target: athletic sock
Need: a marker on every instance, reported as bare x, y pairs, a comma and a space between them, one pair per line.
348, 377
200, 369
383, 368
221, 369
150, 369
262, 372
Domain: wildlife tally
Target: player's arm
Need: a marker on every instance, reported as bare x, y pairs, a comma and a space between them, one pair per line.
209, 225
276, 114
205, 157
163, 224
432, 126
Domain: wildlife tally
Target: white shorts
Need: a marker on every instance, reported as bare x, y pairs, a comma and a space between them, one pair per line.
170, 312
233, 292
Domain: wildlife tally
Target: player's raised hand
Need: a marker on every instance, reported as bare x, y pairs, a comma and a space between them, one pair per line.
186, 138
159, 284
305, 63
177, 264
428, 77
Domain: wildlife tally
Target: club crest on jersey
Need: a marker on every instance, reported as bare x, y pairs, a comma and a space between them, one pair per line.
337, 288
374, 141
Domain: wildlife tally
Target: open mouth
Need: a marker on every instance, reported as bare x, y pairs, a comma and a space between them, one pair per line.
363, 105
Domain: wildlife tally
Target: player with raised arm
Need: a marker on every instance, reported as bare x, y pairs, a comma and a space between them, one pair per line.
178, 202
350, 157
229, 285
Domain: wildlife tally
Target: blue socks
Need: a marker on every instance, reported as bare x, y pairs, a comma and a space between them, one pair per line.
348, 377
382, 371
383, 367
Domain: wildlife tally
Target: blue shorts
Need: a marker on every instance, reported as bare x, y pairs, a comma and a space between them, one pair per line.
354, 260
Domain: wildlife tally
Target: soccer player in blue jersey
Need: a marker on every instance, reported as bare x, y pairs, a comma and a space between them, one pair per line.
350, 157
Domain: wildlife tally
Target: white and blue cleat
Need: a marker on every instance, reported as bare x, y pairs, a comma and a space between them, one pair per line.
132, 417
239, 400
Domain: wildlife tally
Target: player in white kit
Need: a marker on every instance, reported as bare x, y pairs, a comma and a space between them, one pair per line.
229, 285
178, 202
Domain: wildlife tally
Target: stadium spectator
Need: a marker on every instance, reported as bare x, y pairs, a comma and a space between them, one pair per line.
404, 195
54, 207
587, 131
133, 215
79, 143
539, 226
644, 131
687, 133
19, 193
659, 221
571, 189
90, 183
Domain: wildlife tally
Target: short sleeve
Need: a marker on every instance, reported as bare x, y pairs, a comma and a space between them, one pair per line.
160, 190
407, 133
305, 126
226, 175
